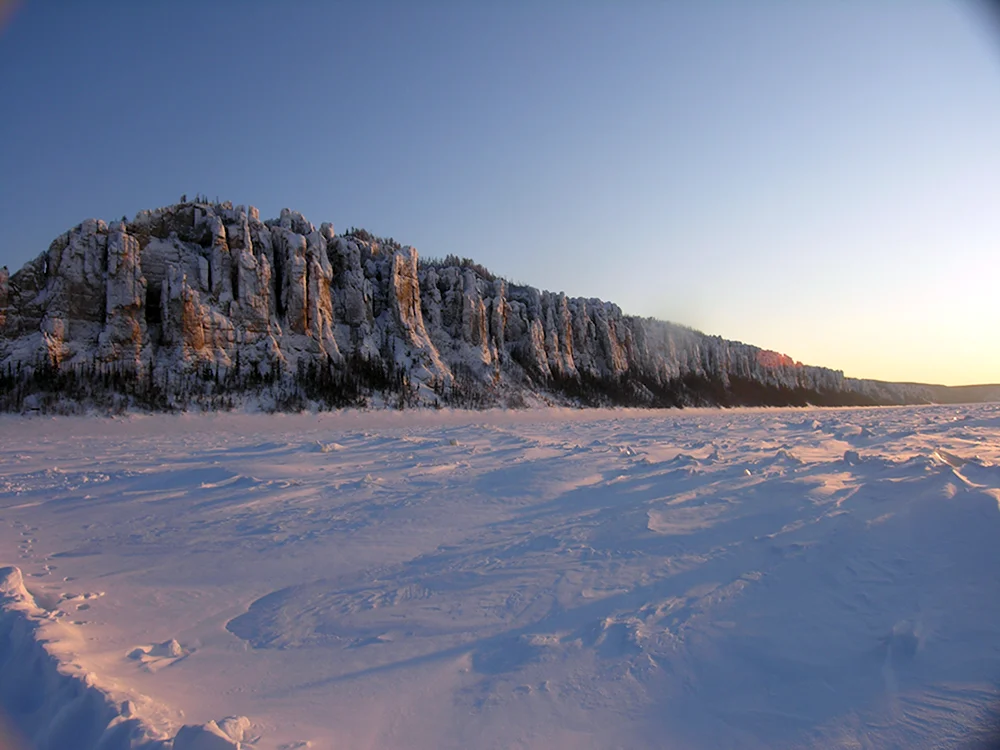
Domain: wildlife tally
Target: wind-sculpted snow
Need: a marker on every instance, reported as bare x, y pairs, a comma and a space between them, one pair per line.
201, 299
51, 701
548, 579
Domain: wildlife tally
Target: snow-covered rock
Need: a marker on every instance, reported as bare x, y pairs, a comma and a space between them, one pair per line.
198, 285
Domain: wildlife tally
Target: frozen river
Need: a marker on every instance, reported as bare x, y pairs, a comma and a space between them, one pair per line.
544, 579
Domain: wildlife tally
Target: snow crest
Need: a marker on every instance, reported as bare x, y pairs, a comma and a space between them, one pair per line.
53, 704
51, 700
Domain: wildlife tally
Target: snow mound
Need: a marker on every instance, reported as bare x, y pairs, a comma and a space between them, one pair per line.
12, 590
949, 459
159, 655
322, 447
227, 734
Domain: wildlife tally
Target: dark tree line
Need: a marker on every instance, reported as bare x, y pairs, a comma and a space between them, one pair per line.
356, 381
352, 383
365, 236
450, 261
109, 387
465, 391
47, 387
649, 390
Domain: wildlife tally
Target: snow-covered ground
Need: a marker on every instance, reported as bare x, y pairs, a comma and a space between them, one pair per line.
544, 579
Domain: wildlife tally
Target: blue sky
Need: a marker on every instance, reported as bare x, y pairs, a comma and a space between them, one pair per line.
817, 178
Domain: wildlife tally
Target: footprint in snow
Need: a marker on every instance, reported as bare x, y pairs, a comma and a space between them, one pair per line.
71, 597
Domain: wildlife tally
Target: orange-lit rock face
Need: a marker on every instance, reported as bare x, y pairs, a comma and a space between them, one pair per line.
767, 358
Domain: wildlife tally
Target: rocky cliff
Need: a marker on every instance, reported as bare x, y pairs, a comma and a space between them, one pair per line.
210, 289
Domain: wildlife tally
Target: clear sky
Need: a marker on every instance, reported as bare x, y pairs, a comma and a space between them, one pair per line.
819, 178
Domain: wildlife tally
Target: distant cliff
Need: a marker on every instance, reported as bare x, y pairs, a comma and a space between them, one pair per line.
204, 304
